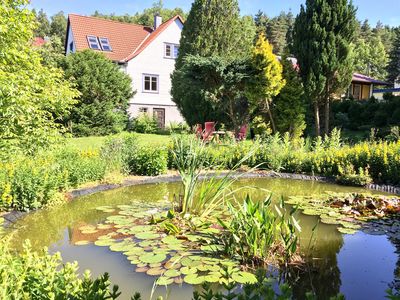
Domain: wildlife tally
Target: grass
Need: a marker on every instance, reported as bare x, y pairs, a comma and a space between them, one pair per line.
95, 142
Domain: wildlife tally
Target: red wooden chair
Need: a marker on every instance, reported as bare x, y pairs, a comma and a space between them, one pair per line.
209, 128
198, 130
242, 133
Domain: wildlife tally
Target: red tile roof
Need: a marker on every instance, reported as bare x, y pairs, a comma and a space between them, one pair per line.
126, 40
38, 42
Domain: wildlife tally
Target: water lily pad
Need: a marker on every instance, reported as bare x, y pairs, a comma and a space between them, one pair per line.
82, 243
147, 235
346, 230
172, 265
155, 271
152, 258
104, 226
172, 273
142, 270
194, 279
164, 280
171, 240
187, 270
104, 242
244, 277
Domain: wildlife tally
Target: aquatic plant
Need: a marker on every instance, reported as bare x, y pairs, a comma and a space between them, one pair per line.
256, 234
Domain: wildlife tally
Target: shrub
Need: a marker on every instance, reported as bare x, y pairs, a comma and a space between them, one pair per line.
144, 123
147, 161
348, 176
39, 275
81, 166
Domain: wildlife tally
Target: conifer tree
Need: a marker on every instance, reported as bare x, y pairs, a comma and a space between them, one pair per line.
322, 37
393, 68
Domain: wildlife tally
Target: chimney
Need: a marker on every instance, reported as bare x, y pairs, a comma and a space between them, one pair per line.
157, 21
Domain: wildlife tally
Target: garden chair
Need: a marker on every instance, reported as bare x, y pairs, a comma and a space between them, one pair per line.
242, 133
209, 128
198, 130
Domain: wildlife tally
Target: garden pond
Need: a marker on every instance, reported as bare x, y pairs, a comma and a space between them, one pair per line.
360, 266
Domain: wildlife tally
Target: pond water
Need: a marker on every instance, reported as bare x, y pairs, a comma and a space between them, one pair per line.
360, 266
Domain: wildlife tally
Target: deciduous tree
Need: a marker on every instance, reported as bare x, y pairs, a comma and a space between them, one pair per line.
32, 97
393, 68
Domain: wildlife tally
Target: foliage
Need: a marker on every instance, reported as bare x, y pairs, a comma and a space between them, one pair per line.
39, 275
58, 26
29, 183
43, 25
32, 97
371, 57
148, 161
322, 43
214, 89
256, 234
105, 93
52, 52
289, 105
144, 123
364, 115
269, 81
348, 176
226, 37
393, 67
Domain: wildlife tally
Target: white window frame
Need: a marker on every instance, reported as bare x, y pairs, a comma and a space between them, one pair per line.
151, 83
143, 110
107, 44
90, 43
172, 52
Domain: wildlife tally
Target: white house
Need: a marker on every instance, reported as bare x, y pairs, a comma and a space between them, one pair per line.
147, 54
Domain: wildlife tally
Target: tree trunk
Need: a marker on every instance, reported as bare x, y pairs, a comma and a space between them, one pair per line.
316, 116
270, 116
327, 113
327, 110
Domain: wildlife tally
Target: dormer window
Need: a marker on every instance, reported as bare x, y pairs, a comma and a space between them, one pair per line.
93, 42
105, 44
171, 51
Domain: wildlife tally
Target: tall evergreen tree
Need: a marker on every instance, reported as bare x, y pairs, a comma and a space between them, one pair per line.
214, 28
322, 37
393, 68
43, 24
277, 31
289, 106
58, 26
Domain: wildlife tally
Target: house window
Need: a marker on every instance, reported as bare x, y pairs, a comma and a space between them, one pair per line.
71, 46
171, 51
143, 110
93, 42
105, 44
357, 91
150, 83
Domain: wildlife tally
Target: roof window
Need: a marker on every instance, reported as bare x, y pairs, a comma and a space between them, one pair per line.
105, 44
93, 42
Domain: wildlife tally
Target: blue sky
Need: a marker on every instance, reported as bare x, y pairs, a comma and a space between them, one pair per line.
387, 11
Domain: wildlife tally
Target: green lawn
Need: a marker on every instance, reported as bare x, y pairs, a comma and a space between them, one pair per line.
95, 142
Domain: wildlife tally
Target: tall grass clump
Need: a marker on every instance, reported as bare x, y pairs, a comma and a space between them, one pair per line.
202, 197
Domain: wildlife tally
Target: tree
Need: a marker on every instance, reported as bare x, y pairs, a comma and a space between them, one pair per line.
216, 89
289, 105
105, 93
52, 52
213, 28
43, 25
277, 31
322, 42
393, 67
58, 26
269, 81
32, 97
370, 57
